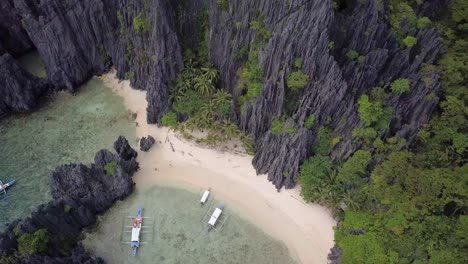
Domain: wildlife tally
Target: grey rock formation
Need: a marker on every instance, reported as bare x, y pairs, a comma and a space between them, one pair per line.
146, 143
79, 194
144, 42
305, 29
13, 38
19, 90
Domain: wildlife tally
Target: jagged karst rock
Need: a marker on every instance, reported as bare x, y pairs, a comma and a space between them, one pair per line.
146, 143
19, 90
305, 30
124, 149
13, 38
102, 32
79, 194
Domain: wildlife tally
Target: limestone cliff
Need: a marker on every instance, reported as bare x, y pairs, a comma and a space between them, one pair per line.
144, 41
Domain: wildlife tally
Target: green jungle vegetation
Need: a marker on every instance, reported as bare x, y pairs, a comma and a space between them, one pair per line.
400, 204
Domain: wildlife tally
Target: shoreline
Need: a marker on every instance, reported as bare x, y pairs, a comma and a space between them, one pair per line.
306, 229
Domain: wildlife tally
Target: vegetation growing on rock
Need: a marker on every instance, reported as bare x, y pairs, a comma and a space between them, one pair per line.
30, 244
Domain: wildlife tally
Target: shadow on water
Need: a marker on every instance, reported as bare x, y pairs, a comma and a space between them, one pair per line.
178, 233
65, 129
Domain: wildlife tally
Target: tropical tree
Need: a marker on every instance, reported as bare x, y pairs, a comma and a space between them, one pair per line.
230, 129
204, 85
210, 72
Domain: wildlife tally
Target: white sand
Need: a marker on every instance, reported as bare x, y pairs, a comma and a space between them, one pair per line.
306, 229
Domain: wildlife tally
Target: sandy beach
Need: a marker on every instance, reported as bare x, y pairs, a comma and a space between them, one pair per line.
306, 229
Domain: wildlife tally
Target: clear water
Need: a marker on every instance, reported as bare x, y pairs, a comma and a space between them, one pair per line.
68, 129
178, 233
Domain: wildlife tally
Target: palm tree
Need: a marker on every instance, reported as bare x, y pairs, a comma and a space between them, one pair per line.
349, 200
208, 110
221, 97
230, 129
210, 73
203, 85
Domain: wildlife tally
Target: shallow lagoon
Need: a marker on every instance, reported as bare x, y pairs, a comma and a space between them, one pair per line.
178, 233
66, 129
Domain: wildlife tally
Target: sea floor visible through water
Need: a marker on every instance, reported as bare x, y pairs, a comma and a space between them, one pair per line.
65, 129
175, 233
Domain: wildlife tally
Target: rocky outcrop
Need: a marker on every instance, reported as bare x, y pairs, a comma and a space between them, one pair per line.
13, 38
93, 35
146, 143
19, 90
79, 194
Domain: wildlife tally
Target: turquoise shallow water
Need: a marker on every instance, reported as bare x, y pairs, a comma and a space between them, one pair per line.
68, 129
177, 233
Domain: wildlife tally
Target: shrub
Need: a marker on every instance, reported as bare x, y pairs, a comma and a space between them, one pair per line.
423, 22
291, 130
128, 75
352, 54
369, 112
30, 244
298, 63
400, 86
238, 25
309, 122
378, 94
110, 168
354, 168
367, 134
325, 144
297, 80
189, 104
170, 120
277, 126
336, 140
252, 76
361, 59
67, 208
141, 24
313, 177
410, 41
223, 4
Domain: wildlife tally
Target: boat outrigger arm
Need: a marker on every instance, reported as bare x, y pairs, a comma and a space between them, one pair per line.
136, 230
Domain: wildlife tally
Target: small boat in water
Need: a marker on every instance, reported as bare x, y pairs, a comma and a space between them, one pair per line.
136, 230
5, 186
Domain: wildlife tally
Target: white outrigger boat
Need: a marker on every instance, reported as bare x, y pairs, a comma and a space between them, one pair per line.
136, 230
4, 187
214, 218
204, 197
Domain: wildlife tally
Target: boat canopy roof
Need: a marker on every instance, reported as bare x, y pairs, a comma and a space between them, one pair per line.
214, 217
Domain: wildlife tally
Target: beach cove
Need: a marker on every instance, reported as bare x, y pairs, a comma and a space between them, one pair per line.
306, 229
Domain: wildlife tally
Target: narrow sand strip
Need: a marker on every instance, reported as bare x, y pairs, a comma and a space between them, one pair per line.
306, 229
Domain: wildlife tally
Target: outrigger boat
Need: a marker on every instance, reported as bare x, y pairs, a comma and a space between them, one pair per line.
136, 230
214, 218
3, 187
204, 197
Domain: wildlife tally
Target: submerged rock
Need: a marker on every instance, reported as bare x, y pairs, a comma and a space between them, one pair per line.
79, 194
146, 143
19, 90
